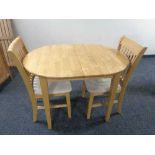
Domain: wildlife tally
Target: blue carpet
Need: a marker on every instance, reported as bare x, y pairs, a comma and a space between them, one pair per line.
138, 110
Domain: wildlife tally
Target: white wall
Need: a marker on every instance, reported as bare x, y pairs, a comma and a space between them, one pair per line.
41, 32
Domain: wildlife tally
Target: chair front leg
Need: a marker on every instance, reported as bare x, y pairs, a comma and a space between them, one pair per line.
68, 105
113, 89
83, 89
45, 94
90, 104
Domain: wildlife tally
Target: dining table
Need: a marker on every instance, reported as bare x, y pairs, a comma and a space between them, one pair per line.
60, 62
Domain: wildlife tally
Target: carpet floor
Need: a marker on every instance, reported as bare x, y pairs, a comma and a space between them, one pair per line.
138, 116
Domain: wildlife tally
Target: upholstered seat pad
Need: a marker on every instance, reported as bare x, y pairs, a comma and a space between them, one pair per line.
100, 85
53, 87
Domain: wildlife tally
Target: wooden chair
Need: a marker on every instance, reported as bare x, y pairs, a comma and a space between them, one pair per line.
134, 52
17, 51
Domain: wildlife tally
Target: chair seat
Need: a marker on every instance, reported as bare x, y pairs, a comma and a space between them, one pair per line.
53, 87
100, 85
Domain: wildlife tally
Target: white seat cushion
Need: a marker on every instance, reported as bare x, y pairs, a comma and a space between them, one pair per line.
100, 85
53, 87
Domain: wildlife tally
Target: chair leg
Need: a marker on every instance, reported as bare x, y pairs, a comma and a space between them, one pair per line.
120, 100
113, 89
35, 112
90, 104
68, 105
44, 88
33, 102
83, 89
34, 108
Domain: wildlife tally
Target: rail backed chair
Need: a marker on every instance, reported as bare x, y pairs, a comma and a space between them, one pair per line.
131, 50
17, 51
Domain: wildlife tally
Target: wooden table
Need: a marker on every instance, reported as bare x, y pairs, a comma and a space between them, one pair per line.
75, 62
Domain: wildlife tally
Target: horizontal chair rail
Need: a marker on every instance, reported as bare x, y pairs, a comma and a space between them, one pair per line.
100, 104
50, 95
52, 106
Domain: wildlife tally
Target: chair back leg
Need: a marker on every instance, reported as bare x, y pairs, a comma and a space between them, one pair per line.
120, 99
34, 104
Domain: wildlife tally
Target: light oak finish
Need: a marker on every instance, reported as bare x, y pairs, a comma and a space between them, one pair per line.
44, 86
113, 89
17, 52
4, 68
133, 52
68, 104
6, 37
59, 62
75, 62
90, 104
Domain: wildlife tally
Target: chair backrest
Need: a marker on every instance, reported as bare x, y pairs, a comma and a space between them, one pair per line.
17, 51
134, 52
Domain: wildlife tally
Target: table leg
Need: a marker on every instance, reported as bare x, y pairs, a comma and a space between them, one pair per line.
113, 89
45, 94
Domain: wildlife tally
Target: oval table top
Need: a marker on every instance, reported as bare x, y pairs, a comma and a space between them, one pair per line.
74, 61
